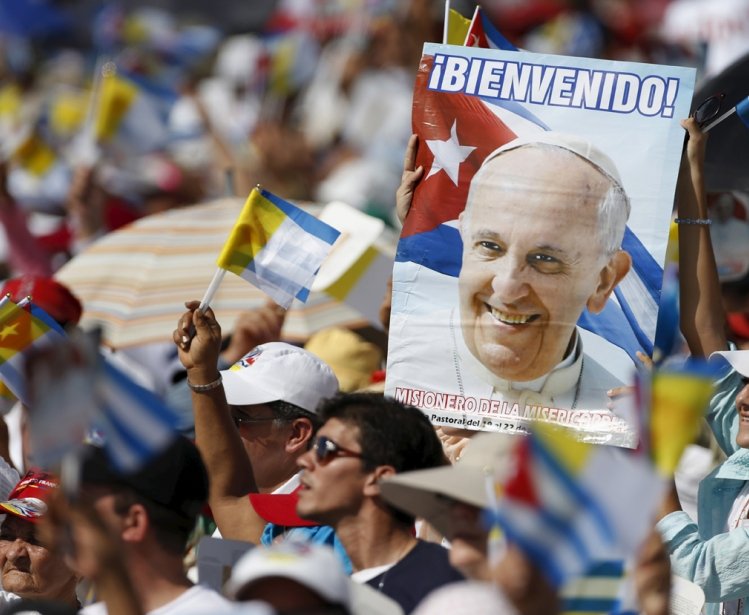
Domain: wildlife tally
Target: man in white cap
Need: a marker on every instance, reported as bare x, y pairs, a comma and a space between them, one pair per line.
542, 232
711, 553
252, 422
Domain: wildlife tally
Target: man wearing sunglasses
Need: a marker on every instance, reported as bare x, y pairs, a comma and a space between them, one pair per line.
364, 439
252, 423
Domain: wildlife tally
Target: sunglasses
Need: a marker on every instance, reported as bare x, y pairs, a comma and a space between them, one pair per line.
241, 419
708, 109
326, 450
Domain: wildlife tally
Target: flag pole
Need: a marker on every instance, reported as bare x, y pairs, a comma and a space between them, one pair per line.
725, 116
471, 25
212, 288
446, 27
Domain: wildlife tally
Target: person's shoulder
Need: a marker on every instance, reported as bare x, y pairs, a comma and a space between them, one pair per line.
197, 599
433, 559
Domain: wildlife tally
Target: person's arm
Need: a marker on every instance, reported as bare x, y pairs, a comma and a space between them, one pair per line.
229, 469
701, 307
26, 254
711, 564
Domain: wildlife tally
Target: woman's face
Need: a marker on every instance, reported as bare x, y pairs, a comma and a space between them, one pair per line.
28, 568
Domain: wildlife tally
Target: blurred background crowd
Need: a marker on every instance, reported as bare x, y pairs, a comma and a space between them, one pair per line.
311, 99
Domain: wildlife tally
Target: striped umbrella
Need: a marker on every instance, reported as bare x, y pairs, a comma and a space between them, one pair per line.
133, 282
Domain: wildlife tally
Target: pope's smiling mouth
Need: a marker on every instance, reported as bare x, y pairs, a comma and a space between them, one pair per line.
511, 319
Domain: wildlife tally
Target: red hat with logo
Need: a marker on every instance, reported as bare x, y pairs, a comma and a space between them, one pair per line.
28, 500
53, 297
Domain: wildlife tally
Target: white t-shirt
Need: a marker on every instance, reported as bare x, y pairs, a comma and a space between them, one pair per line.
197, 600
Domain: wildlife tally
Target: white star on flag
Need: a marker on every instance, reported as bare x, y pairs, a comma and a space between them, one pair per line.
448, 154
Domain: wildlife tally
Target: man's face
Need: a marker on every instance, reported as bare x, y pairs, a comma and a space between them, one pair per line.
264, 441
333, 488
28, 568
532, 259
742, 407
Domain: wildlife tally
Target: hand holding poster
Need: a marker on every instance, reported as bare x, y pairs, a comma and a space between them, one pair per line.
529, 267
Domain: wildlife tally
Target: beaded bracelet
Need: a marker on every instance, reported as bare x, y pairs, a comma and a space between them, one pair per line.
202, 388
693, 221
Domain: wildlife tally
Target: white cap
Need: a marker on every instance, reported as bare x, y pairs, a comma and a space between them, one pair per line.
317, 568
279, 372
738, 359
466, 598
314, 566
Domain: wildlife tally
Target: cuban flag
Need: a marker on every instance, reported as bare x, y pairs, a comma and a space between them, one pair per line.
482, 33
558, 505
456, 132
133, 425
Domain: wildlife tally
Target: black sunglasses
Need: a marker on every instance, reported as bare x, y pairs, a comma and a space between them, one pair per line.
708, 109
326, 450
243, 419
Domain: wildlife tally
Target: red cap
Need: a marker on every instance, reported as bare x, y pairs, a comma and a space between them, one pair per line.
279, 508
29, 496
53, 297
738, 322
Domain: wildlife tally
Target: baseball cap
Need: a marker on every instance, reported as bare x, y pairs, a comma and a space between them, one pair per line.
314, 566
738, 359
279, 508
28, 498
175, 478
277, 371
53, 297
738, 322
421, 493
352, 358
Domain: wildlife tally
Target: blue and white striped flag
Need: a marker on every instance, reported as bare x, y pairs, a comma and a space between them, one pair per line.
134, 423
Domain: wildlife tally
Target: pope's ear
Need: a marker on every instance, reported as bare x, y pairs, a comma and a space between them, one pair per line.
611, 274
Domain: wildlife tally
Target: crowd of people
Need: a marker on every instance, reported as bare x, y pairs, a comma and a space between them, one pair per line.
324, 495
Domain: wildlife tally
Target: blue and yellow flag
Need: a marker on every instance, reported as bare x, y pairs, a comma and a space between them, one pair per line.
277, 247
20, 331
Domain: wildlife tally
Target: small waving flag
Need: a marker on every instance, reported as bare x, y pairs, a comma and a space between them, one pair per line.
34, 155
570, 504
132, 113
277, 247
672, 401
20, 331
482, 33
135, 424
457, 27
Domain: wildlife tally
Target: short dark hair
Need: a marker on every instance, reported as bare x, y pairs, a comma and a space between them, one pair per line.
170, 529
286, 411
390, 433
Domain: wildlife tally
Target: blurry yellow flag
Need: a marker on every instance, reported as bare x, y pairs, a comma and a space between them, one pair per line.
457, 28
35, 155
679, 403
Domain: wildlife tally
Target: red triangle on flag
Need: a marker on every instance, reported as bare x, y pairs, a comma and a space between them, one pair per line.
437, 198
521, 485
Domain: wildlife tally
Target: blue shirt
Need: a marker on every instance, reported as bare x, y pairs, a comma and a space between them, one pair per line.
706, 553
320, 534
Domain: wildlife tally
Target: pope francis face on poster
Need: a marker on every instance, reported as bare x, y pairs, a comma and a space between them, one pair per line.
542, 232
